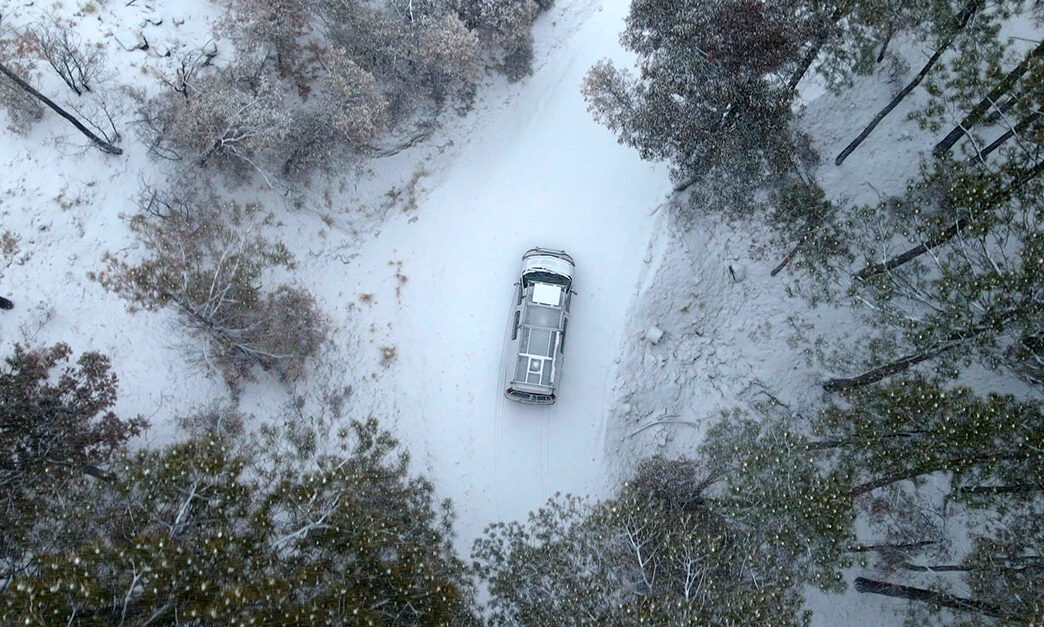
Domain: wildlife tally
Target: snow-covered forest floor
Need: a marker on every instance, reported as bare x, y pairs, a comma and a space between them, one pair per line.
413, 256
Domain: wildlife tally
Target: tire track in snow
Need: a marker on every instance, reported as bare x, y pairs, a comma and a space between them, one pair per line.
498, 417
546, 466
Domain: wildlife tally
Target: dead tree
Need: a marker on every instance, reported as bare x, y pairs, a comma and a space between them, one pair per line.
102, 144
76, 64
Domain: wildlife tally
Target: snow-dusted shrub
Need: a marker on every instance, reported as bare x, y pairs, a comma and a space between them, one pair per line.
518, 62
505, 29
367, 71
349, 97
273, 25
448, 53
232, 118
228, 529
16, 53
311, 145
420, 54
291, 328
344, 112
208, 262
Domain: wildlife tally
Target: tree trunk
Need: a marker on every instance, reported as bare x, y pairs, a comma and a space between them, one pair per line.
881, 482
891, 105
963, 19
929, 596
818, 445
932, 467
916, 251
1021, 126
786, 260
884, 45
813, 52
865, 548
973, 117
811, 224
98, 473
876, 374
98, 141
681, 187
1026, 176
942, 568
958, 568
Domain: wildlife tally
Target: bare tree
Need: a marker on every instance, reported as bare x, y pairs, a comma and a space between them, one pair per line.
76, 63
105, 145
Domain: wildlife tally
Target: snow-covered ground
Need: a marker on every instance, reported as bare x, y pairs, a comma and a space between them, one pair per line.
417, 257
414, 261
532, 169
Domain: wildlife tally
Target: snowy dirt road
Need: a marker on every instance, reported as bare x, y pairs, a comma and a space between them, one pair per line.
535, 171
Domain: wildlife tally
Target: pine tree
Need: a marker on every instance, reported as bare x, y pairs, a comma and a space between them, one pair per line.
964, 283
661, 551
704, 97
221, 530
912, 428
803, 484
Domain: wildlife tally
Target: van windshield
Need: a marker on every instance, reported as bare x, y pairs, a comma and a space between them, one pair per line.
540, 276
530, 396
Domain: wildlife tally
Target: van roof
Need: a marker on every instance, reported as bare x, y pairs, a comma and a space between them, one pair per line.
539, 336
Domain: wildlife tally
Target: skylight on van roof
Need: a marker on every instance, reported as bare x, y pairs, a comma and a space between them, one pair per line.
546, 294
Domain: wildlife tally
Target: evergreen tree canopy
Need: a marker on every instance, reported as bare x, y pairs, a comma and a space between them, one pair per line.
218, 530
969, 284
56, 425
657, 553
803, 485
704, 96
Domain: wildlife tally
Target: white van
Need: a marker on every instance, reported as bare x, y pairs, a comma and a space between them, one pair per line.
538, 326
